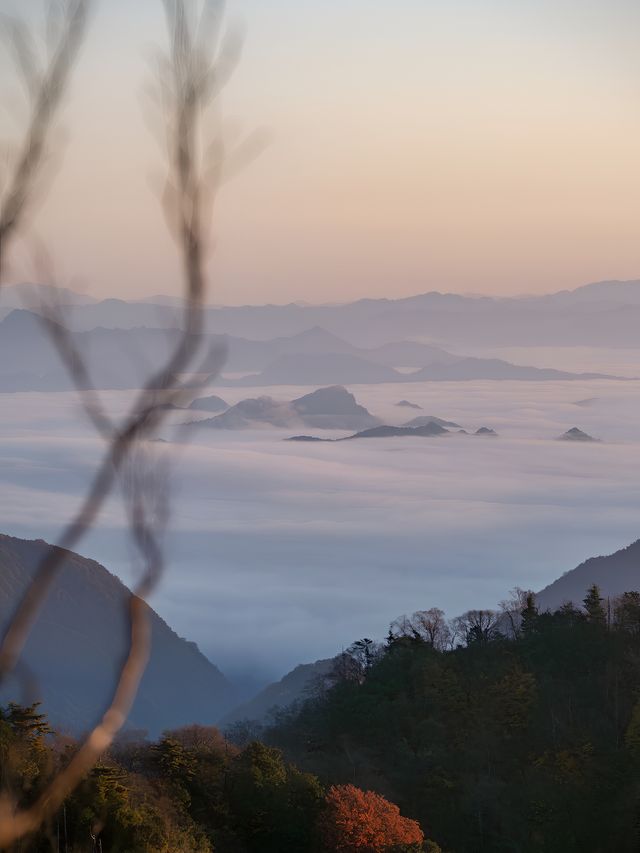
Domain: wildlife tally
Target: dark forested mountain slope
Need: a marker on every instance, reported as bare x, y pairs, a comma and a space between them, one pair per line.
614, 574
80, 638
521, 745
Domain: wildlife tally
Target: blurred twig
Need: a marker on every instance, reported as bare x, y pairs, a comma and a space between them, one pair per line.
45, 89
191, 77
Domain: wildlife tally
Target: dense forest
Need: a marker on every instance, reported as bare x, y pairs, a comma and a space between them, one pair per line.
519, 731
192, 791
524, 737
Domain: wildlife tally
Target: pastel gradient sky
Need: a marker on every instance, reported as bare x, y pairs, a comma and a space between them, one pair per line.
463, 145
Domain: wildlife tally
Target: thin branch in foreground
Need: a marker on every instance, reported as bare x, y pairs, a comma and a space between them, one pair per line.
188, 97
46, 89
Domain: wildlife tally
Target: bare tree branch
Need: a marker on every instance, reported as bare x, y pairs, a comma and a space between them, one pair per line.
187, 93
46, 91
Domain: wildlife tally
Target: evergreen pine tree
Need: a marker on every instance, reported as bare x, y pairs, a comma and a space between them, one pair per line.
593, 604
529, 614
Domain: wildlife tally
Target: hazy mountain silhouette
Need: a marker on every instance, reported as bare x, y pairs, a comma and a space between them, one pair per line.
26, 294
327, 408
211, 403
599, 314
429, 429
493, 368
355, 370
320, 369
295, 686
614, 574
79, 640
124, 358
423, 420
575, 434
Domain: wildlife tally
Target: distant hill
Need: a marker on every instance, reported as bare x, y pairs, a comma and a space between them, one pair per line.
293, 687
211, 403
333, 408
423, 420
81, 636
326, 408
429, 429
576, 434
614, 574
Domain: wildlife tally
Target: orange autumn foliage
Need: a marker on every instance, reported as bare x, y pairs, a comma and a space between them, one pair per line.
357, 821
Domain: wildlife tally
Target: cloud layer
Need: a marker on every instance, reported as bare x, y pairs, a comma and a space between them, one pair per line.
282, 553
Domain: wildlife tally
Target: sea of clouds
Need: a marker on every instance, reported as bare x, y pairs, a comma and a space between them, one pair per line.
281, 553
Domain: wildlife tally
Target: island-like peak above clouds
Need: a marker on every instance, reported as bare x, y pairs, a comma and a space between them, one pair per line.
334, 400
383, 431
575, 434
327, 408
423, 420
212, 403
428, 429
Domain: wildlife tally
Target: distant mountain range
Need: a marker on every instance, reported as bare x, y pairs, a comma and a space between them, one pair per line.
330, 368
124, 358
80, 638
600, 314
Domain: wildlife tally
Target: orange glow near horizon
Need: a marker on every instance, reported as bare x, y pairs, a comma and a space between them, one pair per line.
453, 146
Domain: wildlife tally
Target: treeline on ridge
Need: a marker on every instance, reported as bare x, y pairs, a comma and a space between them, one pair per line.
514, 731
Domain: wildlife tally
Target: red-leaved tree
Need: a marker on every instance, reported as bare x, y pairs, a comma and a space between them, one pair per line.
357, 821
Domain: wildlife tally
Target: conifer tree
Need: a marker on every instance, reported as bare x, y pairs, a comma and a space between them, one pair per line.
529, 615
593, 604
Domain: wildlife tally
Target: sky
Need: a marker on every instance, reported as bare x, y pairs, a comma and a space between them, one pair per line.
459, 145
